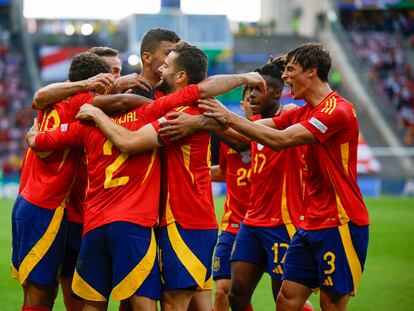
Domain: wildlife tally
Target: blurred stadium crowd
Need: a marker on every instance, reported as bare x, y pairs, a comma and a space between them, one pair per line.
15, 106
383, 41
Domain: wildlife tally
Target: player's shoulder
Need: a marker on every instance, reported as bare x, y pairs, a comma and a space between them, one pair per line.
335, 104
188, 109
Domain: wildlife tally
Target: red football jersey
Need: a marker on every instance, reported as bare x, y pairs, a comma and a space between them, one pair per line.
76, 202
51, 173
26, 165
276, 187
237, 167
28, 159
333, 196
122, 187
186, 181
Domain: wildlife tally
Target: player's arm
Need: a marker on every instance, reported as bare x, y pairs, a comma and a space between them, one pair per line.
56, 92
211, 86
66, 136
220, 84
127, 82
117, 102
182, 124
126, 141
294, 135
217, 174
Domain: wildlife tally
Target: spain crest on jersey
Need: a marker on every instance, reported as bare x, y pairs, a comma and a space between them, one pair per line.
216, 264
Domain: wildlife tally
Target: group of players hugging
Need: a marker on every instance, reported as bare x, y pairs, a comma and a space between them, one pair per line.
115, 196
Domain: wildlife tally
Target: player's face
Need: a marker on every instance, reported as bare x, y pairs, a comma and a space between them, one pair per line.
297, 78
160, 54
245, 105
167, 73
115, 63
260, 101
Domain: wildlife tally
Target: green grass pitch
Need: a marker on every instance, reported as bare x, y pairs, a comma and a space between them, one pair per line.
387, 282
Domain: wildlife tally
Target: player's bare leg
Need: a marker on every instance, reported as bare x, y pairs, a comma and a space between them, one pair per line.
221, 295
292, 296
125, 305
245, 277
71, 303
176, 300
333, 302
39, 295
276, 285
201, 301
139, 303
95, 305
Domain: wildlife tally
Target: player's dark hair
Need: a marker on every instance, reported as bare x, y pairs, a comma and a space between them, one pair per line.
86, 65
153, 37
191, 60
103, 51
310, 55
274, 69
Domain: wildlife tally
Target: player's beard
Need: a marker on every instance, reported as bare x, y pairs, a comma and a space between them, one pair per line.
164, 87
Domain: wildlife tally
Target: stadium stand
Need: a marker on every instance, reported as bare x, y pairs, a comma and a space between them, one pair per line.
15, 110
386, 76
383, 42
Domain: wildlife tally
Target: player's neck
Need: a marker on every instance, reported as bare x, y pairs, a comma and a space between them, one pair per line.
150, 76
271, 112
318, 93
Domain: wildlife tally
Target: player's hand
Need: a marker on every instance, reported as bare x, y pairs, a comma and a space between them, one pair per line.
31, 134
102, 83
88, 112
256, 80
215, 109
181, 125
130, 81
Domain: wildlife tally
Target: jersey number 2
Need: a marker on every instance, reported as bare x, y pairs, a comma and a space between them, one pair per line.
109, 171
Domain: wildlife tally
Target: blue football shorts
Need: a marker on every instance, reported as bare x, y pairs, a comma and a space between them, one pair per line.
72, 248
186, 257
330, 259
221, 263
263, 246
38, 239
118, 259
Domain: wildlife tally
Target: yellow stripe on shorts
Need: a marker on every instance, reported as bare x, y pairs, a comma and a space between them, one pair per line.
42, 246
190, 261
351, 255
14, 272
130, 284
81, 288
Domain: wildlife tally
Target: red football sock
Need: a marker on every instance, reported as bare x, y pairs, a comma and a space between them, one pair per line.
307, 308
32, 308
249, 308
